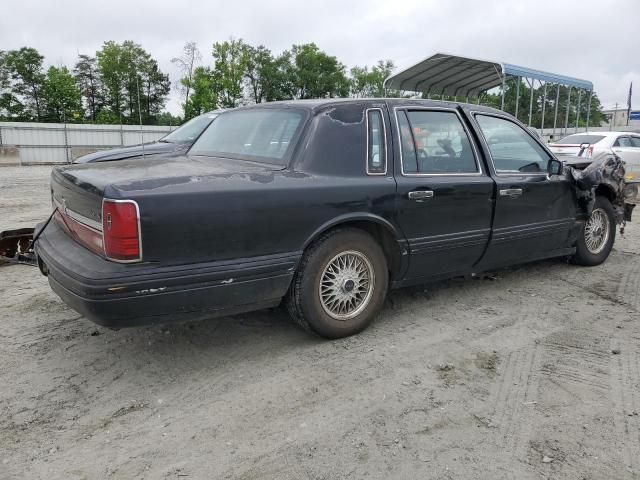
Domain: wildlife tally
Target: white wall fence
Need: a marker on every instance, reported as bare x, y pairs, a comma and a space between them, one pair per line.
24, 143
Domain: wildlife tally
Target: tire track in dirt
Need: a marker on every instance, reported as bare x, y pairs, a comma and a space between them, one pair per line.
628, 289
513, 399
625, 393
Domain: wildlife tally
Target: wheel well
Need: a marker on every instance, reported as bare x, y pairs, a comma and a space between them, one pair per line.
606, 192
383, 236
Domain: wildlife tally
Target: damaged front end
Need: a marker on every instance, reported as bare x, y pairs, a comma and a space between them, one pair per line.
603, 175
16, 246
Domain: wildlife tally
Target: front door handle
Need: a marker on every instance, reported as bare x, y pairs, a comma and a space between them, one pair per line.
511, 192
421, 195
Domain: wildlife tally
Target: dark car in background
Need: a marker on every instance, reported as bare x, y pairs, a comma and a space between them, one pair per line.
325, 204
175, 143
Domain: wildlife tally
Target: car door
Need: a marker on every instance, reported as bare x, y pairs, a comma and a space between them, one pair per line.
627, 147
443, 194
535, 214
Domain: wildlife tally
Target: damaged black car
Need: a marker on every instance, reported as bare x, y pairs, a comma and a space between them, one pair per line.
323, 205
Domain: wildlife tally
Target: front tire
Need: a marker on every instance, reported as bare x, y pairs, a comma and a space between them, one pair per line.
340, 285
597, 234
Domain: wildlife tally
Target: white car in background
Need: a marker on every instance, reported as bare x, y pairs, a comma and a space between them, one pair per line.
587, 145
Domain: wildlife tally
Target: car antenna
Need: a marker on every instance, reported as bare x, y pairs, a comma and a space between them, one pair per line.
140, 113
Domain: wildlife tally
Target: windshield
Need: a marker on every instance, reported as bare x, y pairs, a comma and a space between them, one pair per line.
262, 135
189, 131
580, 139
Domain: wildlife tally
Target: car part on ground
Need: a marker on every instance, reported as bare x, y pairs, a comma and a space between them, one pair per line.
16, 247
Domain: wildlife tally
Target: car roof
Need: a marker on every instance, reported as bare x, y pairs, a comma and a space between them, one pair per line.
323, 103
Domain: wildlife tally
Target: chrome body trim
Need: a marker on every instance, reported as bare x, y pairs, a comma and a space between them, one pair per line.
384, 133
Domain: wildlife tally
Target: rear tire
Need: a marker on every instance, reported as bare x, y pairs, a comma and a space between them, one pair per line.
597, 234
340, 285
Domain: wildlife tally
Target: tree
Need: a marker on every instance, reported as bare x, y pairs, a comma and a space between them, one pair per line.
230, 63
10, 106
25, 67
133, 84
186, 63
61, 95
317, 75
88, 79
370, 83
204, 96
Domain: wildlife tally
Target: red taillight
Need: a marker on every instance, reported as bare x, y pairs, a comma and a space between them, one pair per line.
590, 152
120, 230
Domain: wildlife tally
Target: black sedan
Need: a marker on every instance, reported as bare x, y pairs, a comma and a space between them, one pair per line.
175, 143
325, 205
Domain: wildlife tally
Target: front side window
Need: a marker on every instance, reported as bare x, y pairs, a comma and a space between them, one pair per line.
263, 135
439, 142
377, 152
512, 148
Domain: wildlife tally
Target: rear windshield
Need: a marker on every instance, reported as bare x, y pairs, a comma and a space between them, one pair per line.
263, 135
580, 139
189, 131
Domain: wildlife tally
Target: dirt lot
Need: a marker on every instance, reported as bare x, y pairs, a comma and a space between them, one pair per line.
508, 376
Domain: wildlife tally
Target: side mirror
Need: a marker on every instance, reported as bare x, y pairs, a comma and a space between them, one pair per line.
555, 167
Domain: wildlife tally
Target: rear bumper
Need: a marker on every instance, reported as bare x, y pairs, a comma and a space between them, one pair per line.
123, 295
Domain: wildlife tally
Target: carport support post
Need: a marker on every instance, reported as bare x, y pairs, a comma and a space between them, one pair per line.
533, 81
517, 95
544, 104
566, 117
504, 81
578, 111
588, 112
555, 116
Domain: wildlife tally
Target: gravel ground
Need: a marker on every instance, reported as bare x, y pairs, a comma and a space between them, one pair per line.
510, 375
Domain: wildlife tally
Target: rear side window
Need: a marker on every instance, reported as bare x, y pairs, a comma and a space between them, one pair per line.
623, 142
264, 135
580, 139
512, 148
377, 147
439, 142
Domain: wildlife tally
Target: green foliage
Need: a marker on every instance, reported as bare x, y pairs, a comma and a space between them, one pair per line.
166, 118
62, 96
316, 74
267, 76
88, 80
106, 116
123, 83
229, 68
134, 86
365, 83
204, 96
25, 69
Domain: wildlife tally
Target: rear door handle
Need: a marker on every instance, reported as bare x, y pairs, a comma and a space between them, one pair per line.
421, 195
511, 192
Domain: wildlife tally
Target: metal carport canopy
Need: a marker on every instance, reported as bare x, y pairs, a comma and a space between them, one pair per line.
446, 74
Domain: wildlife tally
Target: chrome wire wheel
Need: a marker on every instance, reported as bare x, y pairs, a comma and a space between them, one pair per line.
596, 231
346, 285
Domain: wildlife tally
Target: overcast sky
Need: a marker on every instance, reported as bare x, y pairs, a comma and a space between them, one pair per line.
597, 41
